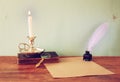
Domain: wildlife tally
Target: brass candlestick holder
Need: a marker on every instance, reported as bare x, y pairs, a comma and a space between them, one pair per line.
28, 54
29, 48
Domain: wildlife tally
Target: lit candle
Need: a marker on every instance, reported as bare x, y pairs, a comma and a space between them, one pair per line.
30, 24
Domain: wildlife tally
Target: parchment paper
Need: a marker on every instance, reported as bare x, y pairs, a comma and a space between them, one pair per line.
75, 67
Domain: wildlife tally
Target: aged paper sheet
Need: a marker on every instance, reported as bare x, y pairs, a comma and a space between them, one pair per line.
75, 67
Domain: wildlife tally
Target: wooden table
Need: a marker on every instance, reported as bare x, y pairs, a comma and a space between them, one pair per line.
10, 71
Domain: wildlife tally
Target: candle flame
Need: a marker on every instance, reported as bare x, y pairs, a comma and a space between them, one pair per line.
29, 12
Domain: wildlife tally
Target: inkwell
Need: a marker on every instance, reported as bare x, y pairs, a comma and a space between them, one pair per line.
87, 56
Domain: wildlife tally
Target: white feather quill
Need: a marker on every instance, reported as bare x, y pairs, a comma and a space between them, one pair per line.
97, 35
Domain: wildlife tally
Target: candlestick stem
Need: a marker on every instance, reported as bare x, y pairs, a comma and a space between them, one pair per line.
31, 43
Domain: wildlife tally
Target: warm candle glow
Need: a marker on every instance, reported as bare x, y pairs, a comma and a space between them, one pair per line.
29, 13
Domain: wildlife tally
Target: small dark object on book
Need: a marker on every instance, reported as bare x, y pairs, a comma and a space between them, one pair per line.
49, 55
87, 56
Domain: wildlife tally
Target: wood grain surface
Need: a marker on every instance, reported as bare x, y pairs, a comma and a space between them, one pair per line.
10, 71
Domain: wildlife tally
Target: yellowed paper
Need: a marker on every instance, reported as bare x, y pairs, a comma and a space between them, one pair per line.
75, 67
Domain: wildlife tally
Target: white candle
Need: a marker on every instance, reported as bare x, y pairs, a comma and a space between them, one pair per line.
30, 24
